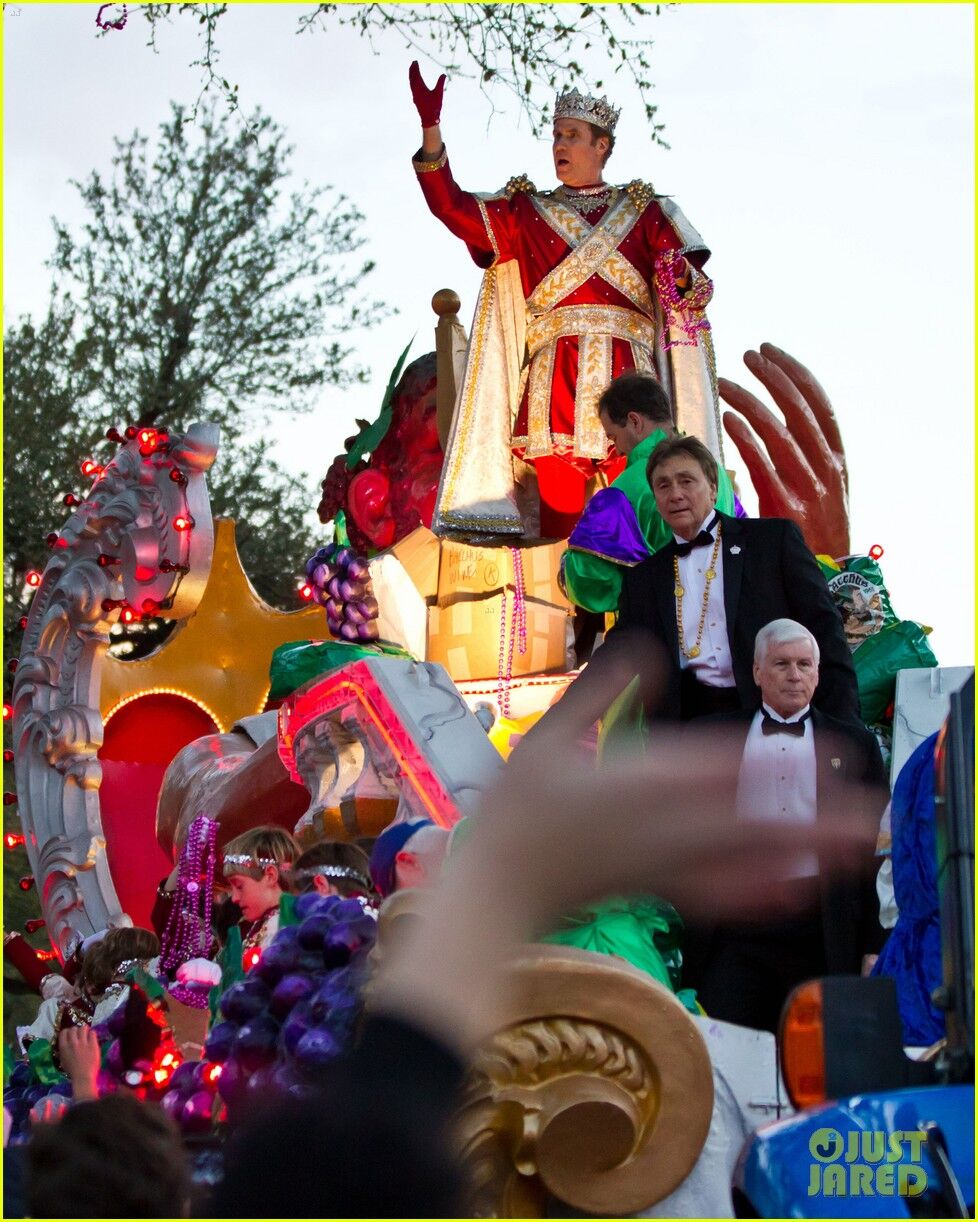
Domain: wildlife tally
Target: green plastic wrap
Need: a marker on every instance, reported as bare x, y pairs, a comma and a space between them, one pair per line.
297, 662
900, 646
856, 584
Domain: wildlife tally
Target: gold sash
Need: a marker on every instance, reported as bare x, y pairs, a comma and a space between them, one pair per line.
594, 252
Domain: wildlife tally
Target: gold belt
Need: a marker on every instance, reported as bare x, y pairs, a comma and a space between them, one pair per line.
615, 321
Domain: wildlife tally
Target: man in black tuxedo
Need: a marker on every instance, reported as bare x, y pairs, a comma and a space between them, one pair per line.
722, 579
706, 595
793, 757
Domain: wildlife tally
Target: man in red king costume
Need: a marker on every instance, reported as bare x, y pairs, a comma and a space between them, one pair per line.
588, 280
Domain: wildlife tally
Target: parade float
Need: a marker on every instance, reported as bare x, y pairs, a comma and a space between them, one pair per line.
397, 691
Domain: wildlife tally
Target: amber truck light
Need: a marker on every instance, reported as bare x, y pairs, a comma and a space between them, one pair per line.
803, 1046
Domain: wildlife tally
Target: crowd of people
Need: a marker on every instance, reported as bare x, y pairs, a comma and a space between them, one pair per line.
751, 806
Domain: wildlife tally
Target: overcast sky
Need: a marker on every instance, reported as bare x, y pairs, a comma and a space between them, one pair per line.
825, 152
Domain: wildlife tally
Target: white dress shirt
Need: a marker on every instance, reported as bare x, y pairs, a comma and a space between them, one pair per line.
714, 665
777, 780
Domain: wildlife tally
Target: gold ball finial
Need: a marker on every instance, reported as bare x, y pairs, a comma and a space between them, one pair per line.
446, 301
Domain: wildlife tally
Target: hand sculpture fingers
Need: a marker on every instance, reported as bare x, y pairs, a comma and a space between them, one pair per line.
791, 464
774, 500
799, 417
803, 473
817, 400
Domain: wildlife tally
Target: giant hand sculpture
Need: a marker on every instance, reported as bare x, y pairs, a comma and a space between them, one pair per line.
797, 467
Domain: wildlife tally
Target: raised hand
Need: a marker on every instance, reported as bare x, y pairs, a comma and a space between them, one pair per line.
799, 471
427, 101
80, 1055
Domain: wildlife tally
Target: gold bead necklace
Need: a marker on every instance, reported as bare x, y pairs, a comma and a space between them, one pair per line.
693, 651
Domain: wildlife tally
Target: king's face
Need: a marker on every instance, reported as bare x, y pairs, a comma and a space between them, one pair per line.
578, 153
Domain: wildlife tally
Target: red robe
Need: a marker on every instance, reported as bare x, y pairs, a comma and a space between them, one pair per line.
511, 226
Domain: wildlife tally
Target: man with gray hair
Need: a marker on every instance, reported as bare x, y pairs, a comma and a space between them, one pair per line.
793, 757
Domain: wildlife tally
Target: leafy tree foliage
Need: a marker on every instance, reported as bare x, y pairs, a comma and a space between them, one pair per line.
199, 284
198, 290
520, 49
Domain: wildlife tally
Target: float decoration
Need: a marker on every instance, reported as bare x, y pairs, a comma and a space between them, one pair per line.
393, 725
131, 514
388, 495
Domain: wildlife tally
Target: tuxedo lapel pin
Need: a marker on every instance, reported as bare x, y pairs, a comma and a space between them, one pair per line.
735, 551
835, 762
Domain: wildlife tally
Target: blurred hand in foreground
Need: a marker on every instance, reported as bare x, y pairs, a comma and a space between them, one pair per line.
556, 832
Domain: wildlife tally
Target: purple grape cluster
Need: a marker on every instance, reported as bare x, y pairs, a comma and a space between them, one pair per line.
191, 1097
293, 1013
340, 582
20, 1094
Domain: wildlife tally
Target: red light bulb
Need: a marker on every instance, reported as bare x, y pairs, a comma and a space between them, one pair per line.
71, 500
875, 552
127, 615
33, 578
9, 798
305, 591
26, 882
8, 757
22, 622
250, 958
183, 522
8, 711
11, 840
34, 925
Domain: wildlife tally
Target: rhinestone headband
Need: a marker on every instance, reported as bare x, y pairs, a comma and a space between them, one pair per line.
248, 859
333, 872
599, 111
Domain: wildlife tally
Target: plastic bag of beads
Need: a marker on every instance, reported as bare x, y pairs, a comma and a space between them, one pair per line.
899, 646
857, 587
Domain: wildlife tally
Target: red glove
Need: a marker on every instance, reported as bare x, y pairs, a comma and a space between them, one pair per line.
427, 101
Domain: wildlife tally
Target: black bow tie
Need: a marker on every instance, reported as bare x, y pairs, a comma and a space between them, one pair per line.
771, 725
703, 539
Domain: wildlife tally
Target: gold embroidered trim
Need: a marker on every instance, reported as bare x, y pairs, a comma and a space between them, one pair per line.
426, 167
466, 410
462, 521
541, 382
519, 184
593, 376
642, 357
565, 440
595, 253
641, 193
580, 320
484, 213
588, 551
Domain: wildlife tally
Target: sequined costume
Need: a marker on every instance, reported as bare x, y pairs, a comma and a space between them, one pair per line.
597, 278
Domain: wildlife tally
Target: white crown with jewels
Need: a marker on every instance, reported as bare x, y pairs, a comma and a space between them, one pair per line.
598, 111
